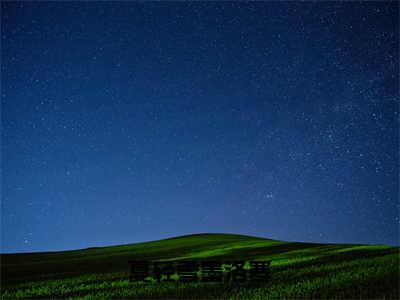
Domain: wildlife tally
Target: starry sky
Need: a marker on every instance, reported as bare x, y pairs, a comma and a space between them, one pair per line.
129, 121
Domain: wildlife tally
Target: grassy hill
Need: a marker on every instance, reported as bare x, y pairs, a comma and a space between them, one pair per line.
298, 270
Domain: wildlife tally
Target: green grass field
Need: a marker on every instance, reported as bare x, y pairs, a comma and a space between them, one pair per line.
298, 270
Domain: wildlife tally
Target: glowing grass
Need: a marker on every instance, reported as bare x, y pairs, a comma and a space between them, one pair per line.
298, 270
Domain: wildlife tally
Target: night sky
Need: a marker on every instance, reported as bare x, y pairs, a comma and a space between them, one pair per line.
125, 122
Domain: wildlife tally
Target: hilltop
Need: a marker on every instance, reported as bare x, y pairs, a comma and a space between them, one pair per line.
298, 269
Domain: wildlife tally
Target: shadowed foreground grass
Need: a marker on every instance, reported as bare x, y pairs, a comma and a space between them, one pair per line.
298, 270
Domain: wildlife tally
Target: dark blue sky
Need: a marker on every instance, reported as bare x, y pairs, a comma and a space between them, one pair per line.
125, 121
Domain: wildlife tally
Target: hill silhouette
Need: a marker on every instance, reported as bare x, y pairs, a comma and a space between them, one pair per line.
372, 267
